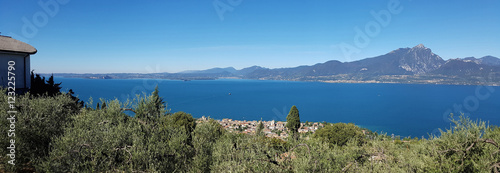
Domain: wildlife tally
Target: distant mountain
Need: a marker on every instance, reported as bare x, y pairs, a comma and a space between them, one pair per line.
403, 61
465, 68
486, 60
419, 60
404, 65
230, 71
470, 67
248, 70
490, 60
212, 70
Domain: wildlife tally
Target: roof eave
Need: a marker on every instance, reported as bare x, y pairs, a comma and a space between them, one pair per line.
19, 52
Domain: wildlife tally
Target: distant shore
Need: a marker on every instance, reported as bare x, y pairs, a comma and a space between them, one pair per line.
392, 79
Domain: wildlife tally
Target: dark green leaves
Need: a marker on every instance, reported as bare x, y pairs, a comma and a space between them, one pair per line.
293, 122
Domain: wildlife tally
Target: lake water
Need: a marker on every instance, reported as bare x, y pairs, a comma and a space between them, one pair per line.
402, 109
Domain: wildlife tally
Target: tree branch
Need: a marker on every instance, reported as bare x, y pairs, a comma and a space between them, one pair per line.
128, 109
125, 148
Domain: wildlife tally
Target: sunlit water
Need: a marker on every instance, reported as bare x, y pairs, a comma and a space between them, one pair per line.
402, 109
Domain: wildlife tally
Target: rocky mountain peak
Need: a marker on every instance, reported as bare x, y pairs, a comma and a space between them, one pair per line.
419, 60
419, 46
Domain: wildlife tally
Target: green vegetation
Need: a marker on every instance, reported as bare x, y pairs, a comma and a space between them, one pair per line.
293, 122
260, 127
40, 86
340, 133
54, 134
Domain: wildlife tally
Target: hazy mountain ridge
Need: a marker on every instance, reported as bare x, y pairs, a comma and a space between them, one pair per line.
404, 65
403, 61
486, 60
464, 67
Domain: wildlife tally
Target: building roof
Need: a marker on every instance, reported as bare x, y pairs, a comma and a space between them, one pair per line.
12, 45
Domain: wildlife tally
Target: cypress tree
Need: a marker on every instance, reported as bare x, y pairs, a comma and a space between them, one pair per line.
293, 122
260, 127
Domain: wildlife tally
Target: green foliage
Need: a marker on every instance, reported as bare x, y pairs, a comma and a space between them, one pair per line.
245, 153
293, 122
107, 140
79, 103
260, 127
150, 107
37, 122
277, 144
340, 133
39, 86
398, 141
83, 148
185, 121
468, 146
206, 135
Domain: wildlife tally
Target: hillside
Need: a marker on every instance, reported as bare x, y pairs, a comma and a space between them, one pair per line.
57, 134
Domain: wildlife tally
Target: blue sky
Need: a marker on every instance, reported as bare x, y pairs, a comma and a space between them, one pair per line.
170, 36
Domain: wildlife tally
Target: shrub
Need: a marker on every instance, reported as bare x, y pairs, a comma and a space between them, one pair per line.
468, 146
206, 135
107, 140
38, 121
340, 133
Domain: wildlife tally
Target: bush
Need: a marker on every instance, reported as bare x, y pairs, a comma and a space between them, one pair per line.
97, 141
151, 107
206, 135
107, 140
38, 121
468, 146
340, 133
245, 153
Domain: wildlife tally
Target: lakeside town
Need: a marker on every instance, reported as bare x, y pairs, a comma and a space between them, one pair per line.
271, 128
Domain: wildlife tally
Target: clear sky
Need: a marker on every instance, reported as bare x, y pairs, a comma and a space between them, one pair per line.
108, 36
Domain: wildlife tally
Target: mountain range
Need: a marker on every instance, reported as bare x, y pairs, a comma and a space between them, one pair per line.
404, 65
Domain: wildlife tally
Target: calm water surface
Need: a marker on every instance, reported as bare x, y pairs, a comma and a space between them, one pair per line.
402, 109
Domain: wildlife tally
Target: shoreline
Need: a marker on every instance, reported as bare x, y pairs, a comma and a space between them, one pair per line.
321, 81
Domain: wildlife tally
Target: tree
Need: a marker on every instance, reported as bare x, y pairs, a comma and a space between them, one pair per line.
39, 87
79, 103
340, 133
157, 100
186, 121
206, 135
260, 127
103, 105
151, 107
293, 122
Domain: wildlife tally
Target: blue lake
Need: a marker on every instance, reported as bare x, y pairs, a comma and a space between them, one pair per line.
402, 109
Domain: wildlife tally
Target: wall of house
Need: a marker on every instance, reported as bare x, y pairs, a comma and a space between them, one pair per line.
21, 72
